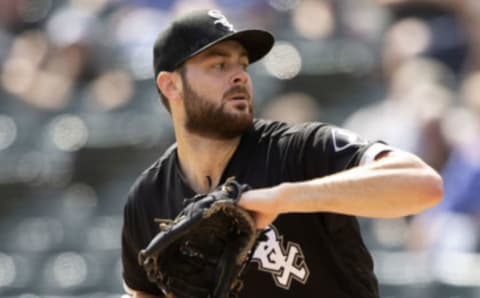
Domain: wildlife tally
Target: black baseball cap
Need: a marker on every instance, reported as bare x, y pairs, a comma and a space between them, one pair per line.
196, 31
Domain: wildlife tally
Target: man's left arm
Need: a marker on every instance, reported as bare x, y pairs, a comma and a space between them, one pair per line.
394, 184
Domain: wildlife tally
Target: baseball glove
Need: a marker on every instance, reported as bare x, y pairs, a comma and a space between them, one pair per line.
204, 250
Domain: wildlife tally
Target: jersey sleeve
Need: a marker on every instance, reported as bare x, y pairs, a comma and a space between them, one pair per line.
134, 275
322, 149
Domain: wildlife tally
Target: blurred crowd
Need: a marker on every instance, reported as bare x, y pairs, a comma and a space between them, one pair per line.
80, 118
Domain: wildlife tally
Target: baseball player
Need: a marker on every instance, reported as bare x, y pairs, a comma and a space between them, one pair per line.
308, 181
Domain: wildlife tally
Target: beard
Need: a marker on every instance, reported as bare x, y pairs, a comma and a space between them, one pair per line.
211, 120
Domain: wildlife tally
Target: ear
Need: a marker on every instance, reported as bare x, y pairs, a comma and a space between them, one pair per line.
170, 84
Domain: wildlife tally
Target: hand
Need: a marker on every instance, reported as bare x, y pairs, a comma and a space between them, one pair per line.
264, 204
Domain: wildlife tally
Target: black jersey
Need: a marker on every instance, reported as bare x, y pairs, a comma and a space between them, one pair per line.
302, 255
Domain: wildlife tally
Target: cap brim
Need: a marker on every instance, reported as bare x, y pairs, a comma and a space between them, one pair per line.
257, 43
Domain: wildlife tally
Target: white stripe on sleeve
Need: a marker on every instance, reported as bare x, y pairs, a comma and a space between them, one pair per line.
373, 151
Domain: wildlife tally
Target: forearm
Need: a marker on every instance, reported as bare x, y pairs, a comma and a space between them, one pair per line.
390, 187
398, 184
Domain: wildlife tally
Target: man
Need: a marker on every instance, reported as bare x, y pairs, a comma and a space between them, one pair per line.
309, 180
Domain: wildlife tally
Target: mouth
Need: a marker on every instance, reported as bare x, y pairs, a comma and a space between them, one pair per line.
240, 101
239, 97
237, 94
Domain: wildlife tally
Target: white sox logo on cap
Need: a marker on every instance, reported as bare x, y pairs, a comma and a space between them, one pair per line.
220, 19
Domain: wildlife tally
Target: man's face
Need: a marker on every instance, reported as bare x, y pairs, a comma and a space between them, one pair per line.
217, 92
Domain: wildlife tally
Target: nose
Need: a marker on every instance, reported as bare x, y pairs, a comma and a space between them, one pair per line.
240, 76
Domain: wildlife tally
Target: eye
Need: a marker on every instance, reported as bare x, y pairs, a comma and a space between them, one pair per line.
219, 66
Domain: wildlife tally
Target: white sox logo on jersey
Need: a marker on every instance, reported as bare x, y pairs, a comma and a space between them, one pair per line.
220, 19
284, 264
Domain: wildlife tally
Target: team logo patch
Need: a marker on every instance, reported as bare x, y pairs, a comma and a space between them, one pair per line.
284, 263
220, 19
343, 139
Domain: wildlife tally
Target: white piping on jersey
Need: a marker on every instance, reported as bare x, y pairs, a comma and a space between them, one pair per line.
373, 151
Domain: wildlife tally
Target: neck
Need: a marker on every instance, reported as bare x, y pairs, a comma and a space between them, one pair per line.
203, 160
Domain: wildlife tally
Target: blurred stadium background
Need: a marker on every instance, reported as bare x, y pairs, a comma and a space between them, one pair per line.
80, 119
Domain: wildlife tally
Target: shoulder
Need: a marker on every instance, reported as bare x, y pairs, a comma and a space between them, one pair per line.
146, 183
281, 130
